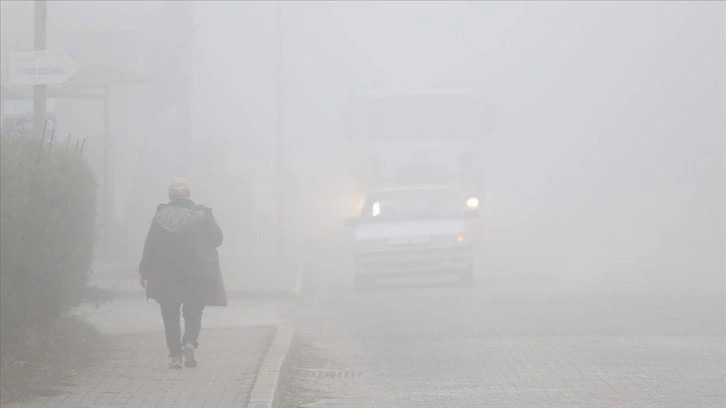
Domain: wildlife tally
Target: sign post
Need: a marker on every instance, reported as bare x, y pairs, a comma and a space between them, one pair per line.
40, 10
41, 67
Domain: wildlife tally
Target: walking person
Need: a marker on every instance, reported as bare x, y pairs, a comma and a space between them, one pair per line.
180, 269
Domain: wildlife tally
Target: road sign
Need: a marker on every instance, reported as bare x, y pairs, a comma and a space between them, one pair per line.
43, 67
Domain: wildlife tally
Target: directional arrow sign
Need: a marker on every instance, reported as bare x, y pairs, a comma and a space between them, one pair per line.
41, 68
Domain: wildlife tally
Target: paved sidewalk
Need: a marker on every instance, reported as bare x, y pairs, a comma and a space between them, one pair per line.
133, 373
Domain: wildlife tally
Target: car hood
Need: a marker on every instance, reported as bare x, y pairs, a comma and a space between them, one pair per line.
432, 228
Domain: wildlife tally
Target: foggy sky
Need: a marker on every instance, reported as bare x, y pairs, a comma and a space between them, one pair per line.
605, 166
608, 149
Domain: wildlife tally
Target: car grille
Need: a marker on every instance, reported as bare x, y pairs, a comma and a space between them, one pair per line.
429, 258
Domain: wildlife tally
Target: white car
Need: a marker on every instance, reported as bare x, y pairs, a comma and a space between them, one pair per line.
413, 231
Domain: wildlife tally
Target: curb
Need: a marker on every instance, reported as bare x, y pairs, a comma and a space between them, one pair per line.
267, 385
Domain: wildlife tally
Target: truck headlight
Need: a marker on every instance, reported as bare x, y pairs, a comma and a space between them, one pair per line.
376, 209
472, 203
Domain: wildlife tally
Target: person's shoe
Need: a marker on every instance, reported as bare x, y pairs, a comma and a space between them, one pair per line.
176, 361
189, 360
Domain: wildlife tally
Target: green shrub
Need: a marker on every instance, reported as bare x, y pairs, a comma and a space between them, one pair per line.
47, 235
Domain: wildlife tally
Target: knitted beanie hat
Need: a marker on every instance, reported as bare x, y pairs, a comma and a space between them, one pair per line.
179, 188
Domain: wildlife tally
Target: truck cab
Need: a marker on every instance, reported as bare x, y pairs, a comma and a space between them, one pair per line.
411, 158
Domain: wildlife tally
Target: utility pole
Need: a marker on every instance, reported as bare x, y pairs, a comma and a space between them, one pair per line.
280, 140
40, 11
107, 179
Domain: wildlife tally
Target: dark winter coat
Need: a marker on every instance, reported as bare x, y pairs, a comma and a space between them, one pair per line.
180, 261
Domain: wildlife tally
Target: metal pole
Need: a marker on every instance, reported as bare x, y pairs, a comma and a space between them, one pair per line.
39, 91
106, 177
280, 139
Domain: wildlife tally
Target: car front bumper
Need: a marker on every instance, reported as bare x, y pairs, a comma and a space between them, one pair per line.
416, 262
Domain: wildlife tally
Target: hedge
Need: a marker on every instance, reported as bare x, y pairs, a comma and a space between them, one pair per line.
47, 236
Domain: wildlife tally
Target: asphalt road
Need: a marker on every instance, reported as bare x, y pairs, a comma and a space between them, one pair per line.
439, 345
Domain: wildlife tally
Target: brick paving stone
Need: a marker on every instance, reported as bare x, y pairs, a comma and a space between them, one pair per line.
462, 348
133, 373
516, 372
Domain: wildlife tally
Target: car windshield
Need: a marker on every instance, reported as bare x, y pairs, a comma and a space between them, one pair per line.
412, 205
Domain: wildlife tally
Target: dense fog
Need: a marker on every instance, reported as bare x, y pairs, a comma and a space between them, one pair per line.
599, 143
603, 160
395, 204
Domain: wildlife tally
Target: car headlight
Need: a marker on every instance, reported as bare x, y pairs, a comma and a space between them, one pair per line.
376, 209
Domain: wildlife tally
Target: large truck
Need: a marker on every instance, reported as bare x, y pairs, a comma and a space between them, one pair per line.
417, 163
425, 137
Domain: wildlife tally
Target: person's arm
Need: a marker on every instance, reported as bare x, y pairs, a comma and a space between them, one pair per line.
216, 236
